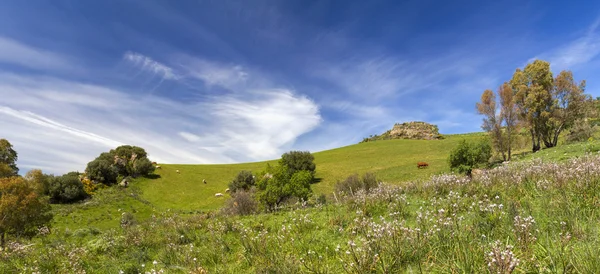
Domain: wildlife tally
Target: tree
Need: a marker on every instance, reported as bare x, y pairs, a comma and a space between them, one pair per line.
8, 159
492, 122
508, 113
569, 106
298, 160
244, 180
22, 211
466, 156
38, 181
66, 189
532, 88
142, 166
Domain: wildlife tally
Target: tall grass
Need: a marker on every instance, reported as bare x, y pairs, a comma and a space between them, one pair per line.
523, 217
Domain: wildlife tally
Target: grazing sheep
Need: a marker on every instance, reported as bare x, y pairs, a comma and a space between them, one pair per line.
157, 167
204, 181
177, 171
422, 165
227, 190
219, 194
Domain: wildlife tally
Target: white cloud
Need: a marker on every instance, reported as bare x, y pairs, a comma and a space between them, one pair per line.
61, 125
17, 53
148, 64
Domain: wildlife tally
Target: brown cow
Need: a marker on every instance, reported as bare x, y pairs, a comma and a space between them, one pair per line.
422, 165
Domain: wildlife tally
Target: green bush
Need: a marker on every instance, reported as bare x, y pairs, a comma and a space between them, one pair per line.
143, 167
467, 156
102, 171
581, 131
276, 185
297, 161
66, 189
244, 180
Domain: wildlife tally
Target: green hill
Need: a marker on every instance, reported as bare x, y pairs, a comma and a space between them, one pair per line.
393, 161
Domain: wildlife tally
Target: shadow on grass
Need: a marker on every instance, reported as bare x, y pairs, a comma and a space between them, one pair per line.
316, 180
152, 176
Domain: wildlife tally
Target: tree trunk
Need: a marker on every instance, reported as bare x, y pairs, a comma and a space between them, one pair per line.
2, 239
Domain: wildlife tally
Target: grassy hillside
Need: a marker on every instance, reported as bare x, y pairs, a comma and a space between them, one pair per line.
519, 218
393, 161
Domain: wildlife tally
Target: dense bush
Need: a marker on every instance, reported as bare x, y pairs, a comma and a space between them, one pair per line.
66, 189
102, 171
244, 180
466, 156
355, 183
298, 160
276, 185
142, 166
122, 161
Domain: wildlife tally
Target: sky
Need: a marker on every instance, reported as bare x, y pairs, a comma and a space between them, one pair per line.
204, 82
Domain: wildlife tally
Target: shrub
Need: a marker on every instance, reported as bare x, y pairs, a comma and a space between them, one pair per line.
349, 185
297, 161
241, 203
581, 131
244, 180
66, 189
277, 185
102, 171
466, 156
142, 167
354, 183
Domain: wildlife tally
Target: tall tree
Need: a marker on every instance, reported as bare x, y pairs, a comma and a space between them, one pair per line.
569, 104
22, 211
492, 122
508, 113
8, 159
533, 93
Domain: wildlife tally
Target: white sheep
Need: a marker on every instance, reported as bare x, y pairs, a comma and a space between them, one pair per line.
219, 194
227, 190
177, 171
157, 167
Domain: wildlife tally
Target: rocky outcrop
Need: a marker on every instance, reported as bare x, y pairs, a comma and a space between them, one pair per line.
409, 130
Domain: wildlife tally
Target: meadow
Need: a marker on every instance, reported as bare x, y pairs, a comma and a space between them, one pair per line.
530, 216
535, 214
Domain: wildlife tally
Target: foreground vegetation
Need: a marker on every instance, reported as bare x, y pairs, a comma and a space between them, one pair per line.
522, 217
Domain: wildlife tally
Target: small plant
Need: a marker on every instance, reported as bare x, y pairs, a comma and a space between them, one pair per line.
467, 156
241, 203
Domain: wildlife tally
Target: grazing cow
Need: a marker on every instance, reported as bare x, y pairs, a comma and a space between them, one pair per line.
157, 167
219, 194
422, 165
227, 190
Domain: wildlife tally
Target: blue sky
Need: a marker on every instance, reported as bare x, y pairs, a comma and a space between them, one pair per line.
235, 81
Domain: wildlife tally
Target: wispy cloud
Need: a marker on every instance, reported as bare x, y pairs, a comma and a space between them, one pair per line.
60, 125
148, 64
577, 52
17, 53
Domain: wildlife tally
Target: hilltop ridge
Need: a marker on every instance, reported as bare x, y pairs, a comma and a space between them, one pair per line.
415, 130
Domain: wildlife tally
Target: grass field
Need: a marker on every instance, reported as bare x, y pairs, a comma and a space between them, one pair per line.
525, 217
393, 161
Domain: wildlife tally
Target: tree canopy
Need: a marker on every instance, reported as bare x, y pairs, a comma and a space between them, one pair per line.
8, 159
22, 211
